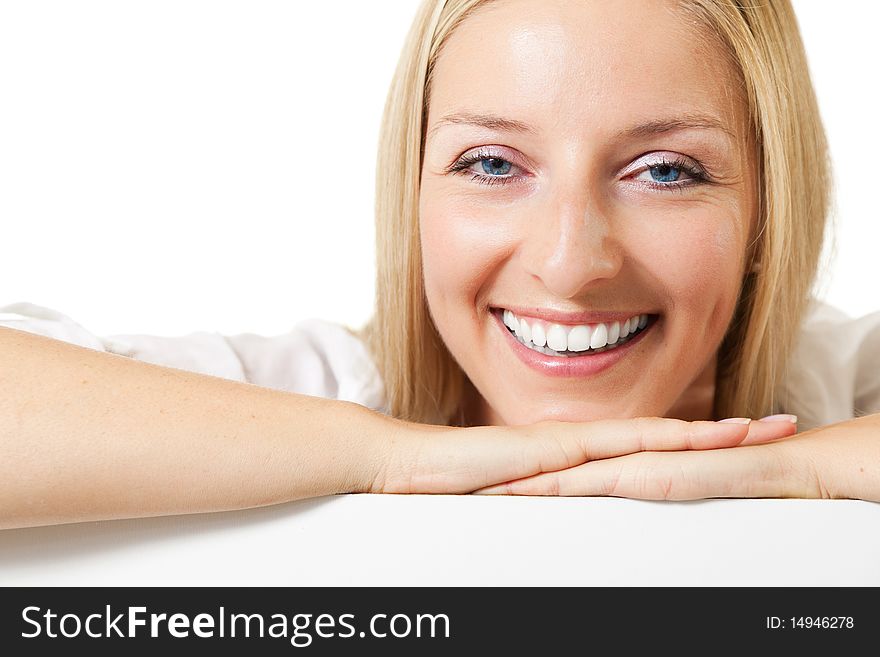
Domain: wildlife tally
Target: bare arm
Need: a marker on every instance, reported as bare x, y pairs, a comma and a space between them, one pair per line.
843, 458
836, 461
86, 435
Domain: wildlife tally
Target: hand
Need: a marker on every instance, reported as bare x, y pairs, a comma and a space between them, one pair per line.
430, 459
841, 460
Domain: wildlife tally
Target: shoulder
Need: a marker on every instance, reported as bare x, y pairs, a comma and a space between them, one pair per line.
834, 370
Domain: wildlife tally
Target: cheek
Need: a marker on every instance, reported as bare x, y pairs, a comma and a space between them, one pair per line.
461, 249
699, 262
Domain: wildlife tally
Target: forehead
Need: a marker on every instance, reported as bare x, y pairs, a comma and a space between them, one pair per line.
555, 62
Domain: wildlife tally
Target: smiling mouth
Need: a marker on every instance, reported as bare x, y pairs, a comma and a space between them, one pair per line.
567, 341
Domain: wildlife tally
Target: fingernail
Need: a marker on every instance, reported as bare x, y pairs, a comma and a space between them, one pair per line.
781, 417
737, 420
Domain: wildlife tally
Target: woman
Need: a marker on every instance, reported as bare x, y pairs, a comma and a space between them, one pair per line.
562, 226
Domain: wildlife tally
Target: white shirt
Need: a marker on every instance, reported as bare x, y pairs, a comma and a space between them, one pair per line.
316, 357
834, 373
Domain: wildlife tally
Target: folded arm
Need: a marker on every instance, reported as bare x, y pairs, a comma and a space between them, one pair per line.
836, 461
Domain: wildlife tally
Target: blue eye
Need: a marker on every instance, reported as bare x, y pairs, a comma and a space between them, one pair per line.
664, 173
493, 170
495, 166
672, 175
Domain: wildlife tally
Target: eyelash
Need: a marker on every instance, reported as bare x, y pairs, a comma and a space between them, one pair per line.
696, 173
461, 168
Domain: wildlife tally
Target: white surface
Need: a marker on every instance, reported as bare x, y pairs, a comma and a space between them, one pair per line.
442, 540
181, 165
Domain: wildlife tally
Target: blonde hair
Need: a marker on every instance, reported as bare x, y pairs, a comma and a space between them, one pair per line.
423, 382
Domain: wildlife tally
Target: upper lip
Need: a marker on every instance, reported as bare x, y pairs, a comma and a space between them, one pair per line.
568, 317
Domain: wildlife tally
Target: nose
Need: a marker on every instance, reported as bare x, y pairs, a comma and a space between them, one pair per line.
569, 242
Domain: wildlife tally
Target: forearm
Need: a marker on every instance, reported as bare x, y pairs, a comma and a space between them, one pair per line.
844, 457
86, 435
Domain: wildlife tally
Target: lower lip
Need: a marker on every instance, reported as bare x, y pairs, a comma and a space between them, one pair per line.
571, 366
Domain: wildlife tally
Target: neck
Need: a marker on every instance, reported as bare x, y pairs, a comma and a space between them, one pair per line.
472, 410
697, 402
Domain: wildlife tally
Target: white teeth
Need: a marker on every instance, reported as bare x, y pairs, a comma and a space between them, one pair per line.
552, 338
525, 331
557, 338
579, 338
613, 332
600, 337
539, 339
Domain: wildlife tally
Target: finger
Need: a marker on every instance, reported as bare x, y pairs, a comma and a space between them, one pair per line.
754, 471
602, 439
767, 430
552, 445
444, 460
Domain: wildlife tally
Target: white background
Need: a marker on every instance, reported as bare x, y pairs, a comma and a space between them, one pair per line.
171, 166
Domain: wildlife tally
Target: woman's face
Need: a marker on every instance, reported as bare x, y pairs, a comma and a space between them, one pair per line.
586, 163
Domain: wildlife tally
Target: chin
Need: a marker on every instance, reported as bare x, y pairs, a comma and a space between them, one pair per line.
567, 414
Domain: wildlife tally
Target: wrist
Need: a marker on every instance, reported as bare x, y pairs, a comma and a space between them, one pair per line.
397, 456
847, 458
373, 436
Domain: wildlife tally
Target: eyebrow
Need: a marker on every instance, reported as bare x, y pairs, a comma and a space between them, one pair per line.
489, 121
686, 121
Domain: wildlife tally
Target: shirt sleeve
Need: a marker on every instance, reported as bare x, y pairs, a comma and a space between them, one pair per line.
316, 357
834, 371
330, 361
